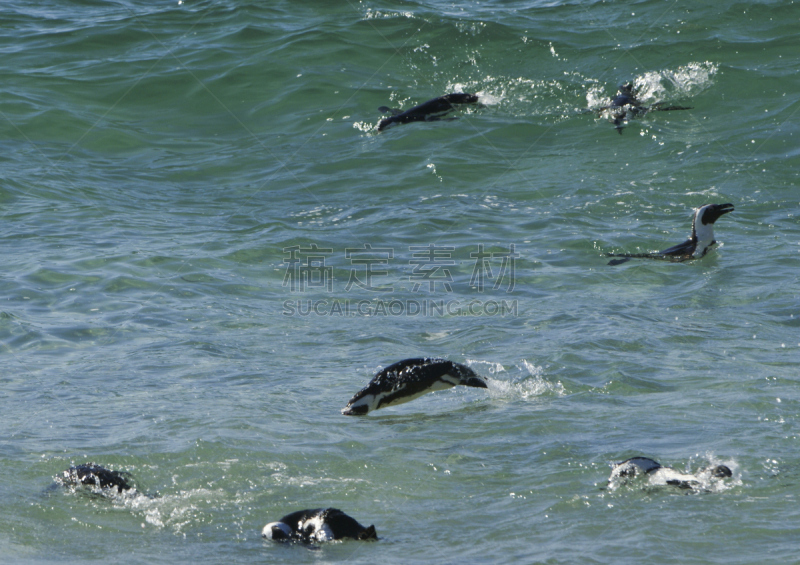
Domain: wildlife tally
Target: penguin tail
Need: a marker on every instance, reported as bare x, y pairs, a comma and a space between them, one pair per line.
625, 257
368, 533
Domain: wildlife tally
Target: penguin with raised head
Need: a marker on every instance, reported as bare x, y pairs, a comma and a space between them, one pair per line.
409, 379
698, 244
318, 525
430, 111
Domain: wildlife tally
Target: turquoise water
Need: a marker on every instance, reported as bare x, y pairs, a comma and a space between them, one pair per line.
164, 164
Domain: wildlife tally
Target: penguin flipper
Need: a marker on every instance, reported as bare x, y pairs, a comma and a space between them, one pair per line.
684, 248
659, 108
679, 484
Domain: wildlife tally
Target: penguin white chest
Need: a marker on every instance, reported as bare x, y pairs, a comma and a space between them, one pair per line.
442, 383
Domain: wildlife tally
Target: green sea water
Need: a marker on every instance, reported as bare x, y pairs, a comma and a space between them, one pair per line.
207, 249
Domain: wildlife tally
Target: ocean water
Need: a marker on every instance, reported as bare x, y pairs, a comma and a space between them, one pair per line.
208, 248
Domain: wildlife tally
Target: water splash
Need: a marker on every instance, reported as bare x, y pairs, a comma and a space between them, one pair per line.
520, 96
366, 127
371, 14
658, 86
530, 384
683, 82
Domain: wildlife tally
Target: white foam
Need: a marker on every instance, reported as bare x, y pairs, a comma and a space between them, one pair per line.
596, 97
685, 81
659, 86
371, 14
530, 384
366, 127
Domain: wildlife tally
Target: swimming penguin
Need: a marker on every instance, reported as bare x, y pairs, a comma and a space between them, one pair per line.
660, 475
701, 240
406, 380
92, 474
429, 111
625, 104
321, 524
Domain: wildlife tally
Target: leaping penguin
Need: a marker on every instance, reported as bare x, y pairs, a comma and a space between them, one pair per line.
660, 475
429, 111
701, 240
318, 525
625, 104
406, 380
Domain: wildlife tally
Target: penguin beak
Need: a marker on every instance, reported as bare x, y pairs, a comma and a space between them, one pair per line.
725, 208
355, 410
722, 209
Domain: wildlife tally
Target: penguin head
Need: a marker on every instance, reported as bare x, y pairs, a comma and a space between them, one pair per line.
461, 98
277, 531
626, 89
316, 529
721, 471
710, 213
703, 225
626, 94
467, 376
360, 404
368, 533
